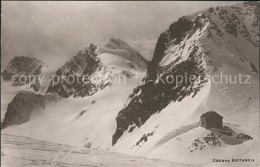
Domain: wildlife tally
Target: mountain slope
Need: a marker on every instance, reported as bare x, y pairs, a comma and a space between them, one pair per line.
203, 46
75, 77
91, 109
91, 69
24, 102
26, 151
121, 48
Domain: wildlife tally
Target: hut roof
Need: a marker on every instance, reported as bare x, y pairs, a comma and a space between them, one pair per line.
210, 113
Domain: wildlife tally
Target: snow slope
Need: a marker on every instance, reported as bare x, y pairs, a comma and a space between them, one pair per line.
23, 151
86, 118
183, 148
91, 119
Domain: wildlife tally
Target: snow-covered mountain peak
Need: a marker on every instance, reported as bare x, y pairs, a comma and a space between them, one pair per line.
214, 42
83, 69
116, 43
123, 51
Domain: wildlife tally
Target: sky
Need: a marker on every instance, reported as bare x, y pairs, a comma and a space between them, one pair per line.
54, 31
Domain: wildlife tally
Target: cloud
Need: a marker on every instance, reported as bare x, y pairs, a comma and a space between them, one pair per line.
54, 31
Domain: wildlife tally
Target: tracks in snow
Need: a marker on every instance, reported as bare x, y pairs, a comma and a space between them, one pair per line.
61, 154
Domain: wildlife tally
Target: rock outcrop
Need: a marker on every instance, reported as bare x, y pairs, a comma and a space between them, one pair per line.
24, 70
22, 105
82, 76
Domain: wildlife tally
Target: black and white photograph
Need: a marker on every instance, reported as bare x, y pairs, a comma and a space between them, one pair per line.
130, 84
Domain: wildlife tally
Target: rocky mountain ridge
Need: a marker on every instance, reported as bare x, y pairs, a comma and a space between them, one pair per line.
182, 51
83, 75
85, 63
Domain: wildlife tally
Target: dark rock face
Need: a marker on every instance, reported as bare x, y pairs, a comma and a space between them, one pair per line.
158, 89
23, 66
157, 56
82, 76
22, 105
178, 29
